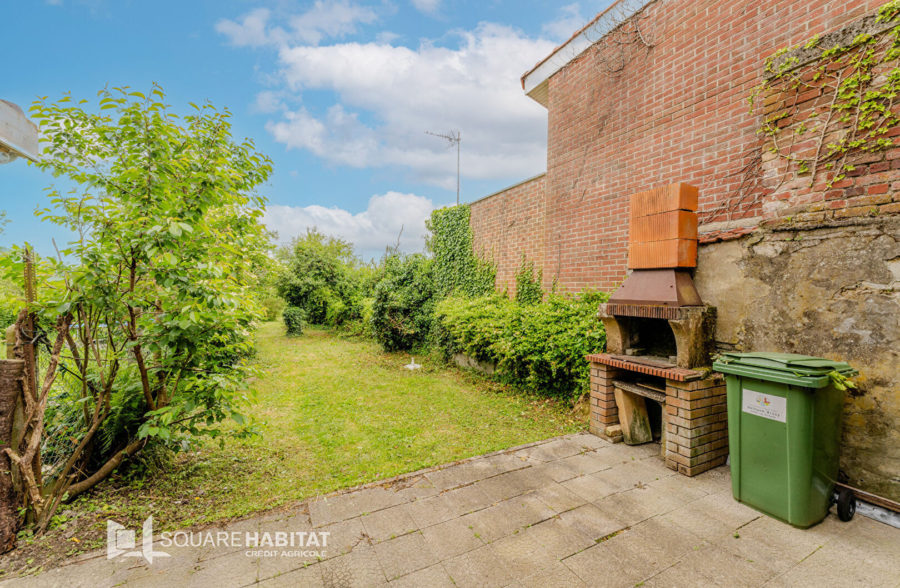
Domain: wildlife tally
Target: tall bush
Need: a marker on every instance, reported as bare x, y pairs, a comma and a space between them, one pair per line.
539, 347
403, 309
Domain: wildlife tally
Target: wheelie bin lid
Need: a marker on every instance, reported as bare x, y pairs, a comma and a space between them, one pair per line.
785, 368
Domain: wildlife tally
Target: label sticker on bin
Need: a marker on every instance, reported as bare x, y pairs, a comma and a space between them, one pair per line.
764, 405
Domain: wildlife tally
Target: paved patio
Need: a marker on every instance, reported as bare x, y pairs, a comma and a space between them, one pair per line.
570, 511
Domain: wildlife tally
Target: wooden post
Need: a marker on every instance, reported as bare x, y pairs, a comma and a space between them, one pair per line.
12, 372
633, 417
29, 331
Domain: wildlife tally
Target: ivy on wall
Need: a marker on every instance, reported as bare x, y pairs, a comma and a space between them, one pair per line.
456, 268
528, 283
854, 77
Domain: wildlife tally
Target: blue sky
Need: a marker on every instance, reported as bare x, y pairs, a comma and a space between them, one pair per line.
339, 93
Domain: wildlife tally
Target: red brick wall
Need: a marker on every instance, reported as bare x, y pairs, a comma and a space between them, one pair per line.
510, 224
677, 112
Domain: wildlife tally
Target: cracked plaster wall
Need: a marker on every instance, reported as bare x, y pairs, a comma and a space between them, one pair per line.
826, 291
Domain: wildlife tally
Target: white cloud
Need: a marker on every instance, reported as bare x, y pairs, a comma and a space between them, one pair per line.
427, 6
333, 18
569, 21
325, 19
370, 231
389, 96
250, 31
268, 102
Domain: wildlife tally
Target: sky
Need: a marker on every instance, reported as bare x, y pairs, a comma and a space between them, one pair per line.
338, 93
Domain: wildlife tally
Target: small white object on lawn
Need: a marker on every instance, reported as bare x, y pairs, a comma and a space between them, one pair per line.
412, 365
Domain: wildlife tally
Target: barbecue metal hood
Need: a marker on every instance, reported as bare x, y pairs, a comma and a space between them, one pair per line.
658, 287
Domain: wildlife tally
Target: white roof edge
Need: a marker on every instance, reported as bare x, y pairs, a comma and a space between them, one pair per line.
18, 135
602, 25
510, 187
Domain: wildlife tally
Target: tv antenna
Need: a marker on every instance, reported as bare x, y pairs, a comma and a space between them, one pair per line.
452, 137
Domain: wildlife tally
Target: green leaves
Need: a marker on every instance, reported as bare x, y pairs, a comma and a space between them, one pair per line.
539, 347
457, 270
856, 81
403, 310
164, 271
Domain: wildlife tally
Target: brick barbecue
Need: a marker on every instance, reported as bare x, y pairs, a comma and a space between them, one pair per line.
654, 383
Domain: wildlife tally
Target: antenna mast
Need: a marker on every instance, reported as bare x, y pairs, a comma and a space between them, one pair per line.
452, 137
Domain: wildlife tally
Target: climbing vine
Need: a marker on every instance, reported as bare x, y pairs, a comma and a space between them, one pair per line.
456, 268
831, 101
528, 283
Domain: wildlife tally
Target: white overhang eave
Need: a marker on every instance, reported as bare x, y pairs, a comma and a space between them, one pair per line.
18, 135
535, 81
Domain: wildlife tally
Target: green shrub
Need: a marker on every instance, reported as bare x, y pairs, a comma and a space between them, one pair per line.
538, 347
403, 309
323, 277
294, 320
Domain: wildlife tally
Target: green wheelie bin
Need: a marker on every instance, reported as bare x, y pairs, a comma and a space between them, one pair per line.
784, 430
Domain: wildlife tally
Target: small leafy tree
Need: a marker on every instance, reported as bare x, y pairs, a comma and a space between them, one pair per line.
149, 316
322, 276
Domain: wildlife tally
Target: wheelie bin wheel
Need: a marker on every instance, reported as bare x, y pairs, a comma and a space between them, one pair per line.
846, 504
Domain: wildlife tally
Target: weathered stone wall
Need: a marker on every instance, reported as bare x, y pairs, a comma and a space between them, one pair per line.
831, 291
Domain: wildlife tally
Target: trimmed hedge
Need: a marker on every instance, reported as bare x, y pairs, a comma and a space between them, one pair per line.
538, 347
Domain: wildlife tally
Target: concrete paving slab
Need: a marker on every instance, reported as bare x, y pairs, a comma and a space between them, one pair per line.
649, 548
343, 536
388, 523
358, 568
232, 571
479, 567
596, 566
589, 441
709, 565
853, 564
558, 497
430, 511
451, 538
591, 522
464, 473
467, 499
507, 516
507, 462
554, 450
404, 555
433, 577
554, 576
416, 487
712, 516
308, 577
514, 483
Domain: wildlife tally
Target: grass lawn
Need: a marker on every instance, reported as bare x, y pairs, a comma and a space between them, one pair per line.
332, 413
